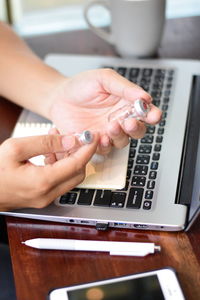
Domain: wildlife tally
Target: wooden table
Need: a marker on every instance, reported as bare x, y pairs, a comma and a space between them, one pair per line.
37, 271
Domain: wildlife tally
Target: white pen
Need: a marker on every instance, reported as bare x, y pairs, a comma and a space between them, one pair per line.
114, 248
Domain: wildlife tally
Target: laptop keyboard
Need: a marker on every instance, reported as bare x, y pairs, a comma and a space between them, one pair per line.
144, 154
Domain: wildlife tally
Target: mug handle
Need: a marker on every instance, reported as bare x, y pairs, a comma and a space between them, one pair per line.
108, 37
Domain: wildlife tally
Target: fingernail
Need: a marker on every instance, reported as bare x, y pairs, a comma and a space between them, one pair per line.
68, 142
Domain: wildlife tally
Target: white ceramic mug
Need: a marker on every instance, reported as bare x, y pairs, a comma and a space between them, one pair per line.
136, 25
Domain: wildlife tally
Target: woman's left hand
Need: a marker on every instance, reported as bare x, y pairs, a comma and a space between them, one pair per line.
83, 102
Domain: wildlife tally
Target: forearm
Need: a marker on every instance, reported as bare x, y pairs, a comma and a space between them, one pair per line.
24, 78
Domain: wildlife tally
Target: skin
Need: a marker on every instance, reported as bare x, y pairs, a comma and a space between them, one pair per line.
27, 185
72, 104
97, 93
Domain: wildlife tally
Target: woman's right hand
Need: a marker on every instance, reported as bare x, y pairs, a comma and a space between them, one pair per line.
23, 184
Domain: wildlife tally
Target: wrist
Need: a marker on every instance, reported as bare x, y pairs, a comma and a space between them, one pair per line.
50, 83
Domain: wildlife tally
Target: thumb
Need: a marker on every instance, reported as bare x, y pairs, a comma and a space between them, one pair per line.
74, 162
21, 149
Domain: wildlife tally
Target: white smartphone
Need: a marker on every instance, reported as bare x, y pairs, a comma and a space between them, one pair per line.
159, 284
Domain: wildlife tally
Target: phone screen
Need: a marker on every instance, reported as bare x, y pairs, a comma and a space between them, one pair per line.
140, 288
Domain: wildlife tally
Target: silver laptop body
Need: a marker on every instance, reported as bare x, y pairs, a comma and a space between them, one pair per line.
165, 210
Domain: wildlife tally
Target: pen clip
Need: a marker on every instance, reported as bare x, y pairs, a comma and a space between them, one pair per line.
131, 253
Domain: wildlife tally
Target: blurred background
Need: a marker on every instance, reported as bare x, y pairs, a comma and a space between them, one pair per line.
36, 17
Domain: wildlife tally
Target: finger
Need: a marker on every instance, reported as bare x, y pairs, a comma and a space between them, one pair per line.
154, 115
117, 135
73, 164
65, 187
105, 145
44, 199
53, 131
120, 86
134, 128
21, 149
51, 158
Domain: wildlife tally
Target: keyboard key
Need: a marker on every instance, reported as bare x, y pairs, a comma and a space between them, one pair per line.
170, 79
156, 156
147, 72
135, 198
156, 103
152, 174
156, 95
133, 73
140, 170
132, 153
167, 93
164, 107
147, 139
164, 115
69, 198
160, 130
133, 143
145, 149
128, 175
145, 81
154, 165
157, 147
147, 205
130, 163
118, 199
157, 86
166, 100
151, 184
160, 72
158, 80
85, 197
142, 159
162, 123
171, 72
150, 129
159, 139
103, 198
138, 181
148, 194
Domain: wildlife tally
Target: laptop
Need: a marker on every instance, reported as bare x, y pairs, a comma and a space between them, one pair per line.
162, 180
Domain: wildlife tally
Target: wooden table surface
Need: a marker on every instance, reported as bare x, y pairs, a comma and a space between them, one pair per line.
38, 271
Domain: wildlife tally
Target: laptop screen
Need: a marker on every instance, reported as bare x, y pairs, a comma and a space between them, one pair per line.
190, 172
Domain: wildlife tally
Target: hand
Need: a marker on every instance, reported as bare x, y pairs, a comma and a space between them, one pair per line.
22, 184
85, 101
